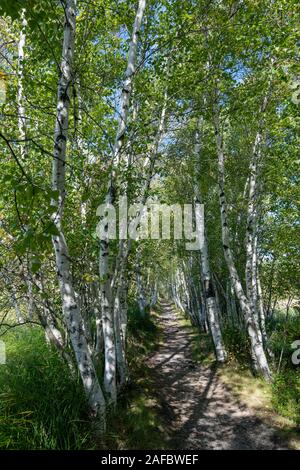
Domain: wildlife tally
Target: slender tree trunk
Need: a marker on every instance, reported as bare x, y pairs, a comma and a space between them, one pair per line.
120, 344
71, 311
142, 302
177, 292
15, 303
20, 94
127, 84
251, 230
98, 340
270, 289
251, 272
257, 351
262, 318
125, 246
48, 321
107, 301
208, 288
123, 307
22, 126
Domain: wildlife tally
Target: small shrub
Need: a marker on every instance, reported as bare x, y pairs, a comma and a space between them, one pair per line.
236, 344
284, 333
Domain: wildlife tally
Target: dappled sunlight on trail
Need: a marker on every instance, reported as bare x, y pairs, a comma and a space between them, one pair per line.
201, 411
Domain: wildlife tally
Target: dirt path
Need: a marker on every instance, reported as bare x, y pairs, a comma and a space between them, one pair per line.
200, 410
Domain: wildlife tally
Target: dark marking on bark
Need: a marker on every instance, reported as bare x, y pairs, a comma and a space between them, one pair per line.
208, 289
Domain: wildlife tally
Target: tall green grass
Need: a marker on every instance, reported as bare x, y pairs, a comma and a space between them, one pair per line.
41, 405
286, 386
282, 333
286, 394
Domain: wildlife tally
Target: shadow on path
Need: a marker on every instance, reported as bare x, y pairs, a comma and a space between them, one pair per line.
201, 412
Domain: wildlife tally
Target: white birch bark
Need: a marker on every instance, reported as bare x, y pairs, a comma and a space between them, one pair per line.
150, 164
251, 237
127, 84
22, 122
251, 231
142, 302
252, 210
120, 341
120, 319
252, 291
262, 317
123, 308
71, 311
194, 315
48, 321
125, 245
177, 293
257, 351
208, 288
98, 341
15, 303
107, 304
20, 92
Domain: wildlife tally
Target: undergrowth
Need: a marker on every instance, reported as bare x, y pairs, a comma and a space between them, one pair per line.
137, 422
42, 406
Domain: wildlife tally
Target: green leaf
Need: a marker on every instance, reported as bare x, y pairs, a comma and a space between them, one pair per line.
52, 229
35, 265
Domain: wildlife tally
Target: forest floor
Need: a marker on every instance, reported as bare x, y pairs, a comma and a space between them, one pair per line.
198, 407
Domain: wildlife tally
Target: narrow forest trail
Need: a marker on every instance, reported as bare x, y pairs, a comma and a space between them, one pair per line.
199, 410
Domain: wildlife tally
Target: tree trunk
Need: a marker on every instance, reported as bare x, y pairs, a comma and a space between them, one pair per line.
107, 301
257, 351
19, 316
208, 288
120, 343
70, 307
20, 93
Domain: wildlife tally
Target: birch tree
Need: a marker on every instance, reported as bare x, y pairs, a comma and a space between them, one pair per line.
257, 350
20, 96
209, 293
107, 305
70, 306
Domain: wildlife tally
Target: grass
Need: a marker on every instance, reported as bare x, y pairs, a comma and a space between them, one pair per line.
286, 394
261, 398
137, 422
201, 344
41, 405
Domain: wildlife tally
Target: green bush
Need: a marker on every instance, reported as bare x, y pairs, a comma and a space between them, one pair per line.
41, 405
236, 343
139, 324
284, 332
286, 394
